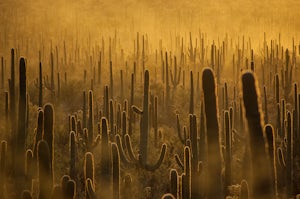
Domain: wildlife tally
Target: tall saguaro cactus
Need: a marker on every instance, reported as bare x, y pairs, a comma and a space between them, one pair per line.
21, 136
261, 174
144, 124
44, 170
91, 116
144, 129
214, 185
115, 171
40, 85
48, 134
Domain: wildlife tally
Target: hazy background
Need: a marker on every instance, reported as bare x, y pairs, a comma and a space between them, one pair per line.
157, 18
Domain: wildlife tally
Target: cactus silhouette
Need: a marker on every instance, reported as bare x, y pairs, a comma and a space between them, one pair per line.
48, 134
3, 165
21, 136
115, 171
168, 196
44, 170
144, 130
214, 186
73, 155
262, 186
26, 195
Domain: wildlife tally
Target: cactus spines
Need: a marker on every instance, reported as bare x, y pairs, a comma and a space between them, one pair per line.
44, 170
214, 186
21, 136
115, 171
262, 185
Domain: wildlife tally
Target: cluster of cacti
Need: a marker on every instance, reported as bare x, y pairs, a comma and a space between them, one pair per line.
72, 127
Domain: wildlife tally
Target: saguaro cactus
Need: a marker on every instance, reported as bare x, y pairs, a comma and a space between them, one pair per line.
244, 193
214, 185
91, 117
89, 172
3, 163
262, 185
192, 95
174, 182
272, 147
44, 170
104, 150
48, 134
115, 171
40, 85
21, 136
144, 128
228, 151
73, 154
39, 131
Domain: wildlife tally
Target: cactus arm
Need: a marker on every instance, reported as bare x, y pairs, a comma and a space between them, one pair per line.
129, 148
90, 189
137, 110
172, 78
262, 186
179, 162
155, 166
123, 157
178, 130
280, 157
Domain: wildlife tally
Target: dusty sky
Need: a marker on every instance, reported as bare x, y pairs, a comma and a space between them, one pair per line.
157, 18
